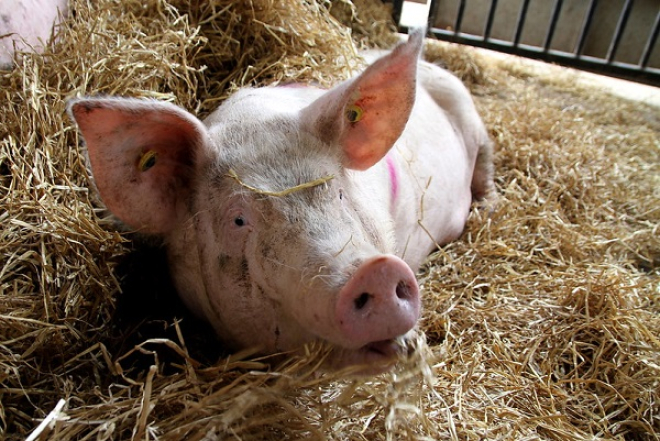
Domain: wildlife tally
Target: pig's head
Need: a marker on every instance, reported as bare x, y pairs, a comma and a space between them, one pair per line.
275, 216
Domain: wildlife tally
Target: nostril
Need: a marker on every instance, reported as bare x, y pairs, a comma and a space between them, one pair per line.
362, 300
402, 290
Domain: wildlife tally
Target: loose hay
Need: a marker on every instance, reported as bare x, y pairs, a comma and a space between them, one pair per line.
542, 321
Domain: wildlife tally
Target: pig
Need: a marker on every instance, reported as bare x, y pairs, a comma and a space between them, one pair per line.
27, 24
295, 214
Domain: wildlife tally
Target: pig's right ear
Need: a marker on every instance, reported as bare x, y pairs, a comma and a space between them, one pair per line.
366, 115
142, 154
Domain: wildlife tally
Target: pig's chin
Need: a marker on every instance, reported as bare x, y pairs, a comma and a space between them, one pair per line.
371, 359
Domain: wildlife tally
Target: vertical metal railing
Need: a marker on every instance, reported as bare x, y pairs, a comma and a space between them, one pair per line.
586, 26
645, 70
491, 18
651, 42
520, 22
553, 25
618, 32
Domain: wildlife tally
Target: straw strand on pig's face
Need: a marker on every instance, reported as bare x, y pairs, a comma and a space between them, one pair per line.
315, 183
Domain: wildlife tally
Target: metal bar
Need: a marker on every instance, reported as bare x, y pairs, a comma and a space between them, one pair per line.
433, 13
618, 32
553, 25
459, 17
631, 72
397, 8
491, 18
588, 19
650, 43
521, 22
641, 72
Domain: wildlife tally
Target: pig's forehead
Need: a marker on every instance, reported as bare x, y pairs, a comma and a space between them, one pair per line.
276, 140
255, 116
257, 132
273, 166
265, 103
276, 167
261, 122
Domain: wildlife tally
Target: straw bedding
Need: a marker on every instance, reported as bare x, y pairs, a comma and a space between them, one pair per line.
541, 322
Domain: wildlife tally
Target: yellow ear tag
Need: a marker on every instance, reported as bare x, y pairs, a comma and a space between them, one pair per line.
147, 160
354, 113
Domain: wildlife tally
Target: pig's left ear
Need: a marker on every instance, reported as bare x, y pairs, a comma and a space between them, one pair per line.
142, 154
367, 114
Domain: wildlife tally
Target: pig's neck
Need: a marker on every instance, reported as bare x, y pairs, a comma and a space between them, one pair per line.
394, 178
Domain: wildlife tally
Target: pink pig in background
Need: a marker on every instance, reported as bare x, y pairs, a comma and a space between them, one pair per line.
26, 25
292, 213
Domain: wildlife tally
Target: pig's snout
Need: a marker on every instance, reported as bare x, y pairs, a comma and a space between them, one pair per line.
380, 302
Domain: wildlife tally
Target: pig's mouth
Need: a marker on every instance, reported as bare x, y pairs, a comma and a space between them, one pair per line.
375, 357
384, 349
378, 356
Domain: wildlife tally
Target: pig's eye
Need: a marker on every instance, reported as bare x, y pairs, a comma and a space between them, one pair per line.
341, 195
239, 221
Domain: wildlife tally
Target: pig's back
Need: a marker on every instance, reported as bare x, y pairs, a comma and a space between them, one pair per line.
435, 157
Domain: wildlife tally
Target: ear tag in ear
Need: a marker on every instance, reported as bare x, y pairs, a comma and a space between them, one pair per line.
147, 160
354, 113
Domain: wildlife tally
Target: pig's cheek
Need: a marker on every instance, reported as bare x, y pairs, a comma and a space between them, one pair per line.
250, 316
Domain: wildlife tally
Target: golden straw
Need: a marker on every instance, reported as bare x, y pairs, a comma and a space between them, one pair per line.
280, 194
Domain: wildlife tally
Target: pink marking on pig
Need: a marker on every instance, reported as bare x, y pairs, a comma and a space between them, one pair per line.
394, 178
